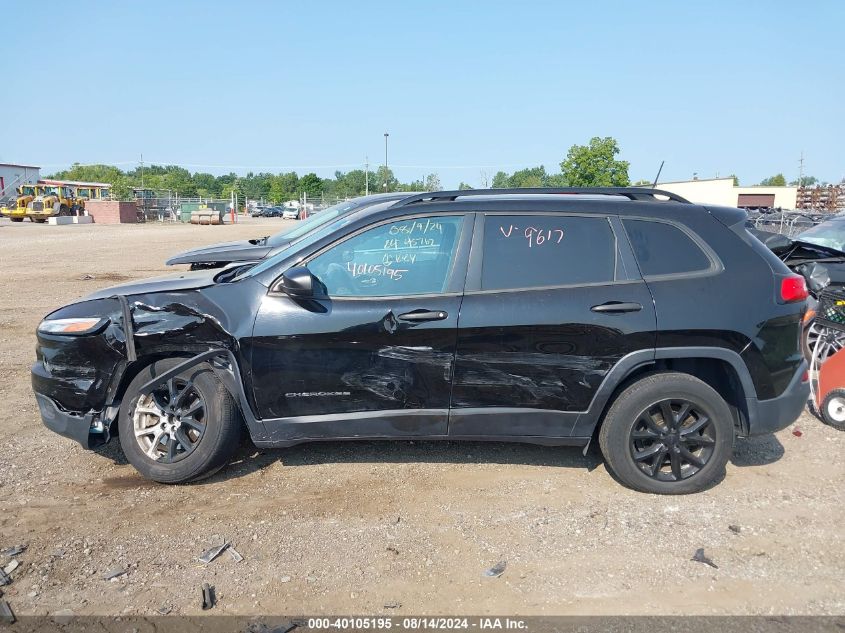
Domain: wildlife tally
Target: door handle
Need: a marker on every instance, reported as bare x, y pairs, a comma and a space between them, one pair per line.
617, 307
423, 315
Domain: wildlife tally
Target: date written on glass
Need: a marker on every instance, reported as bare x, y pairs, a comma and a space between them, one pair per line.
534, 236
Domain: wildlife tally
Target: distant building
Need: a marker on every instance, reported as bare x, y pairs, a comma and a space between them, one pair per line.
13, 176
721, 191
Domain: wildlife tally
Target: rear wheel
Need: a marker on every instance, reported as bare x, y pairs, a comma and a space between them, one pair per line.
186, 429
667, 433
16, 219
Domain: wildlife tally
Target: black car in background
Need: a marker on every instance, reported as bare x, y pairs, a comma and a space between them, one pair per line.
659, 328
218, 255
826, 241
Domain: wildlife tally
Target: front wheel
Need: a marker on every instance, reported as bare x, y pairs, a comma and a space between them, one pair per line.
186, 429
667, 433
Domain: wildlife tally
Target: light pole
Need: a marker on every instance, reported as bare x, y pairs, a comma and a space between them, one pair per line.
385, 160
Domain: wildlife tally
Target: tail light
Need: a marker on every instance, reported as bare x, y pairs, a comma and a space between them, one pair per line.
793, 288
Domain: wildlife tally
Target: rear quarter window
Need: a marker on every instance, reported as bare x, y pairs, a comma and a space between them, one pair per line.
664, 249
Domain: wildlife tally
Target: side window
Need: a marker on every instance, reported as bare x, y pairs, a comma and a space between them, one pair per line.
530, 251
405, 257
663, 249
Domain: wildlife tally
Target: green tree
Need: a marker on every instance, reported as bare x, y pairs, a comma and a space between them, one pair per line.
595, 165
501, 180
806, 181
736, 179
385, 181
531, 177
774, 181
206, 185
432, 183
414, 185
284, 187
311, 184
464, 186
256, 186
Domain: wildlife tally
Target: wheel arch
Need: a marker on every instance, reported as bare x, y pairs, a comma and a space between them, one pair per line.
720, 368
229, 375
122, 382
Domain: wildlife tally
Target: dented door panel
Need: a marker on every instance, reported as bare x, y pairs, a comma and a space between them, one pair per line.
345, 356
543, 349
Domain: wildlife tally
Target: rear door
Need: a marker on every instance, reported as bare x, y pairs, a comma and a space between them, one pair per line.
553, 301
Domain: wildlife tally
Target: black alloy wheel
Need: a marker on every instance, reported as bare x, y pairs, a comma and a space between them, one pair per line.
672, 440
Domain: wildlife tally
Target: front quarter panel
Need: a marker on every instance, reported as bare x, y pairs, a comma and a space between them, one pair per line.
76, 371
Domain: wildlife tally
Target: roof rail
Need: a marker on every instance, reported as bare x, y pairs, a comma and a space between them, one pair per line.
632, 193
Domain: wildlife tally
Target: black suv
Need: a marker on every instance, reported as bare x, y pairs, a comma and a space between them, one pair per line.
553, 316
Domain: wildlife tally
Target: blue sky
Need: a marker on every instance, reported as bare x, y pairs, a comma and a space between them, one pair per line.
462, 87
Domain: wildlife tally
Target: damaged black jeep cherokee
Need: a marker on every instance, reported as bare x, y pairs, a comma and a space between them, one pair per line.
659, 327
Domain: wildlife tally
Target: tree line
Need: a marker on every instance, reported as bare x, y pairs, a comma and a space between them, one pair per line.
591, 165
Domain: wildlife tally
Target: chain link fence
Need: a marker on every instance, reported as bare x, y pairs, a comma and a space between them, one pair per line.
788, 223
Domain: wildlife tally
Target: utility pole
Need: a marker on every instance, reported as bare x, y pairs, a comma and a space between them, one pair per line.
142, 170
801, 169
385, 160
366, 175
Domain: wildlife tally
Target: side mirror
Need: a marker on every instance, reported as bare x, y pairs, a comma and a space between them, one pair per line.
300, 283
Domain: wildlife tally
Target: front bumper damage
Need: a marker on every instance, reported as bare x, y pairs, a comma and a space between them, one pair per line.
78, 380
87, 429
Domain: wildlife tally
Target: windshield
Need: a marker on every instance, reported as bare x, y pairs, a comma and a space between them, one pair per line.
50, 191
830, 234
314, 237
28, 191
315, 221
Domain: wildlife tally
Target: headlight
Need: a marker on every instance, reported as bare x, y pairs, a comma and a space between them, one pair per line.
73, 327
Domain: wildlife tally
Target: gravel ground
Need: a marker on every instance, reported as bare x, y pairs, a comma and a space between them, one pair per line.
383, 528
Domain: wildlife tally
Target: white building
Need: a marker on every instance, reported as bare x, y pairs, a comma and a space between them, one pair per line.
13, 176
721, 191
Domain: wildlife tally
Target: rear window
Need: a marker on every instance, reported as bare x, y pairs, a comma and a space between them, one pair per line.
531, 251
664, 249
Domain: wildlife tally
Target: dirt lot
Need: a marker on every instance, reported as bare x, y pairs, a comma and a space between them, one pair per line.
384, 528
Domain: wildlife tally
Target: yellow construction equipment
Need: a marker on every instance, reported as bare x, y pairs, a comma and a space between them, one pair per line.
53, 200
26, 194
49, 198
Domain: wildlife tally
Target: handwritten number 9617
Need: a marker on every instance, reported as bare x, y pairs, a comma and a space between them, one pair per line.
535, 236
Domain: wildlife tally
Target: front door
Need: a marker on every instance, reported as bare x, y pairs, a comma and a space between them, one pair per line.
550, 307
374, 359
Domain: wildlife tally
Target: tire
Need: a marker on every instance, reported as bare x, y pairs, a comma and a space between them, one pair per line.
810, 333
626, 431
16, 219
208, 441
833, 409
